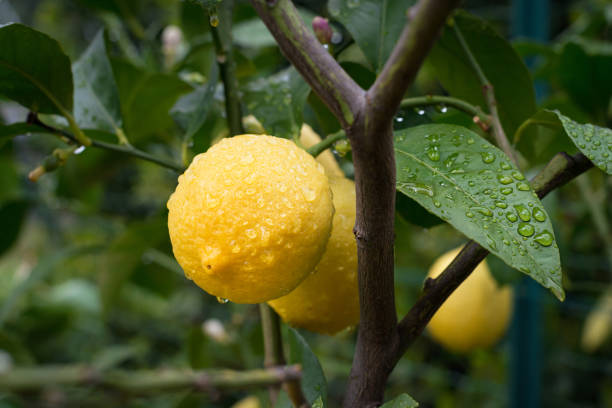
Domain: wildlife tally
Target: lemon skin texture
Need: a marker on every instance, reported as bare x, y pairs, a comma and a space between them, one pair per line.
309, 138
250, 218
327, 301
477, 313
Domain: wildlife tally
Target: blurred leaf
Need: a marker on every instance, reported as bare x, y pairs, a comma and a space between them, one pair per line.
96, 98
412, 212
191, 110
253, 33
12, 216
593, 141
375, 25
278, 102
318, 403
77, 294
403, 401
8, 13
124, 254
17, 129
584, 69
15, 347
44, 267
197, 351
313, 381
113, 356
541, 137
34, 70
500, 63
146, 99
463, 179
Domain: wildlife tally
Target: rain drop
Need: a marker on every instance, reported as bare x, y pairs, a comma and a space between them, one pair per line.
525, 229
511, 217
544, 238
538, 214
522, 212
222, 300
518, 176
487, 157
214, 20
501, 204
506, 190
504, 179
523, 186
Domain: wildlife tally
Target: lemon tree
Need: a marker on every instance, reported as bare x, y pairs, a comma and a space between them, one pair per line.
250, 218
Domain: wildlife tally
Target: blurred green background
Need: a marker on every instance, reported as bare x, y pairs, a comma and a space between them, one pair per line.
86, 268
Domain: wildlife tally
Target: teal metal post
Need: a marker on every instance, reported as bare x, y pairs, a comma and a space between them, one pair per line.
530, 19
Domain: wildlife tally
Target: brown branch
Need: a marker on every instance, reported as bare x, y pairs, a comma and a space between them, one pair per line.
274, 356
334, 86
417, 38
561, 169
143, 381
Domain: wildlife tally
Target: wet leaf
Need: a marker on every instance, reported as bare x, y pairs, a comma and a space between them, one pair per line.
96, 98
502, 66
402, 401
463, 179
16, 129
313, 381
191, 110
34, 70
278, 101
375, 25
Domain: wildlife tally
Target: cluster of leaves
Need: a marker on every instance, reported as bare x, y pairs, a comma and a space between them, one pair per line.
101, 217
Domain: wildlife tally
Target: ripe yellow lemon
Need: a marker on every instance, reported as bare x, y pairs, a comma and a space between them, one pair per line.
309, 138
476, 314
327, 301
250, 218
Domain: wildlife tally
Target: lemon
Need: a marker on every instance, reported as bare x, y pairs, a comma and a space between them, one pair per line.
309, 138
327, 301
250, 218
477, 313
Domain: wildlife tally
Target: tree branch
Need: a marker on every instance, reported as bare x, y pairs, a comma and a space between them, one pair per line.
334, 86
144, 381
125, 149
561, 169
489, 94
274, 356
417, 38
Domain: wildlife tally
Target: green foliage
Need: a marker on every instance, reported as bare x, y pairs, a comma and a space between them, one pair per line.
403, 401
314, 384
505, 70
278, 102
96, 98
466, 181
374, 25
34, 70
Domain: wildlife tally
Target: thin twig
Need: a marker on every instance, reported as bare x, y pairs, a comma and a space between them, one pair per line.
274, 356
456, 103
144, 381
324, 144
227, 67
561, 169
125, 149
489, 94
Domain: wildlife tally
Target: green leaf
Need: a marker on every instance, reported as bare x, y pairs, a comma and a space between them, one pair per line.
278, 101
318, 403
500, 63
584, 71
96, 98
191, 110
375, 25
593, 141
402, 401
12, 216
313, 381
146, 99
34, 70
463, 179
124, 254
